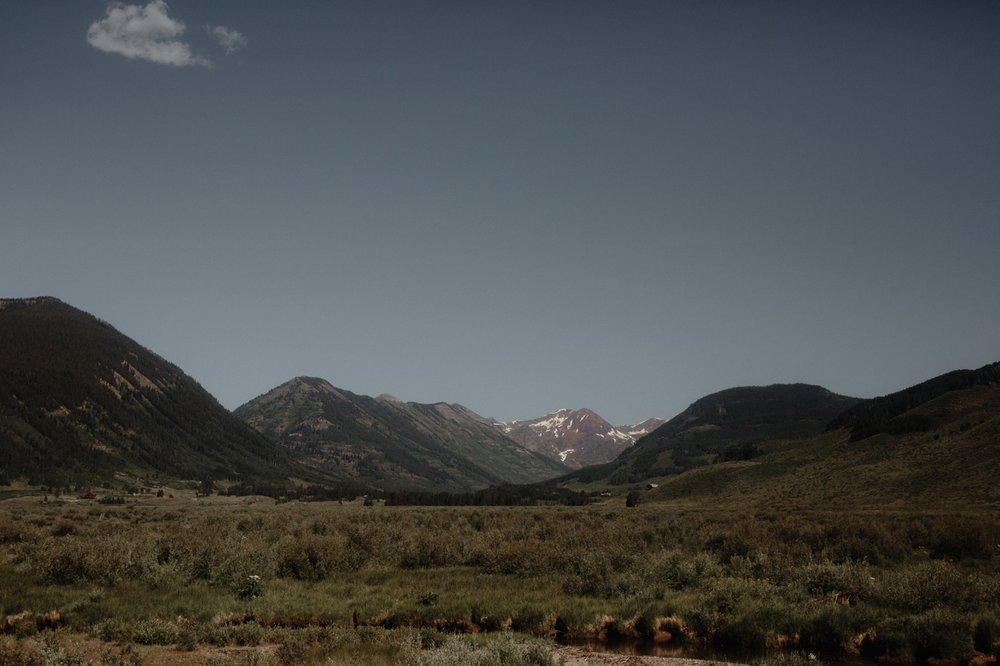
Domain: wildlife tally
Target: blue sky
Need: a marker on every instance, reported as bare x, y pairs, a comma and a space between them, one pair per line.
518, 206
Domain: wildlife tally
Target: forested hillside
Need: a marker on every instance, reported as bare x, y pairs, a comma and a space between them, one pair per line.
727, 423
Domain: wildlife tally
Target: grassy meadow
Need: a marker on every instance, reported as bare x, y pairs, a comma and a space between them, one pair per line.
343, 583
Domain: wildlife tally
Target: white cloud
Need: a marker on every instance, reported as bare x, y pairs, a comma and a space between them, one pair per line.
146, 33
231, 40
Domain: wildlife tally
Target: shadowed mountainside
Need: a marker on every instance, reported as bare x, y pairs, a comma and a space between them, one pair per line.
896, 413
935, 445
391, 444
80, 403
727, 423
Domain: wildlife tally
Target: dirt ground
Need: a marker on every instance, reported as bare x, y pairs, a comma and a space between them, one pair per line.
168, 656
93, 650
583, 656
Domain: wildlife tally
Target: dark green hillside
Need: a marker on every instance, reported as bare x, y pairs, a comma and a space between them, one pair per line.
893, 413
391, 444
948, 462
729, 424
80, 402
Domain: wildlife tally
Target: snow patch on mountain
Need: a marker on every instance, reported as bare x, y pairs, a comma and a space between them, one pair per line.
576, 437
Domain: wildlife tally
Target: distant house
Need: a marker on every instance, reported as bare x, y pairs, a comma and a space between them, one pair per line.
90, 494
651, 486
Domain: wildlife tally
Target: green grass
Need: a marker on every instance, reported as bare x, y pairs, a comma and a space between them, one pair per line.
897, 584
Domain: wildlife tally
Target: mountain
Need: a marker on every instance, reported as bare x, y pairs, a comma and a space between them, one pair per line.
392, 444
81, 403
576, 438
897, 414
932, 446
729, 423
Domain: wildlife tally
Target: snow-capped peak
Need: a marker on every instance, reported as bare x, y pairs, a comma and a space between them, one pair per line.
575, 437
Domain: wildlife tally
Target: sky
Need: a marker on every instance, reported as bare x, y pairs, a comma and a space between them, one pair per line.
516, 206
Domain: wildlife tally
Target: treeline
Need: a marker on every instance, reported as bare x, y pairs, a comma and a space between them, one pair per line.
508, 495
313, 493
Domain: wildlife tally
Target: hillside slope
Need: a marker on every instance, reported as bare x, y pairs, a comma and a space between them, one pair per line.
391, 444
945, 457
80, 403
728, 423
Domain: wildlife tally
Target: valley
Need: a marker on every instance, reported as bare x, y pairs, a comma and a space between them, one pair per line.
316, 525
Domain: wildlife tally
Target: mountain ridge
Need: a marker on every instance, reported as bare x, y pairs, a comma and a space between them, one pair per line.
729, 419
390, 443
80, 403
934, 445
577, 438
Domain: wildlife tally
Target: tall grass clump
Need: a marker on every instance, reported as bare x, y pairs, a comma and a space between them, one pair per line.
472, 650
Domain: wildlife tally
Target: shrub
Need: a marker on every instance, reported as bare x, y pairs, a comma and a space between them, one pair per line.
63, 528
291, 651
187, 635
829, 629
840, 583
941, 635
702, 621
106, 559
747, 631
249, 588
888, 639
684, 570
474, 650
114, 630
934, 584
431, 638
56, 655
530, 620
306, 558
957, 538
600, 574
154, 632
248, 633
986, 634
21, 652
919, 638
524, 557
67, 562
